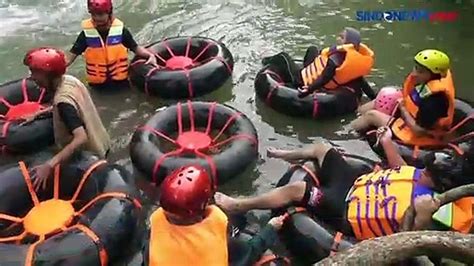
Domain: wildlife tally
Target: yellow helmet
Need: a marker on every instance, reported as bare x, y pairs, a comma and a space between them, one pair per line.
434, 60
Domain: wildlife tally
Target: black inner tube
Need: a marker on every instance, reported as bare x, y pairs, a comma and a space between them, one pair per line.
187, 67
18, 98
106, 222
276, 90
194, 123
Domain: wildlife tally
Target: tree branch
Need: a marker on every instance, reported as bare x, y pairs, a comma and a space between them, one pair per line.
401, 246
446, 197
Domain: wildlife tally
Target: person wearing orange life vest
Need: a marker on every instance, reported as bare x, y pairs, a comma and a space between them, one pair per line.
340, 191
105, 43
426, 106
344, 64
187, 230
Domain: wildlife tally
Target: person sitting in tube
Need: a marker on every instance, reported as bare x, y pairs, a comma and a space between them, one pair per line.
344, 64
426, 103
105, 43
188, 230
340, 192
77, 124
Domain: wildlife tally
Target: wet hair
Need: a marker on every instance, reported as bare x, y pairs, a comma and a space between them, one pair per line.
448, 170
352, 36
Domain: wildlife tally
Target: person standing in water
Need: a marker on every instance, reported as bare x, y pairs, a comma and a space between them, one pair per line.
105, 43
77, 124
344, 64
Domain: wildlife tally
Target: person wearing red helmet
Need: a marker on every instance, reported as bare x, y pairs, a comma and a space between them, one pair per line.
77, 124
188, 230
105, 43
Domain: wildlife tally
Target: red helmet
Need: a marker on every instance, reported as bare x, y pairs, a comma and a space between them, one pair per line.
99, 6
187, 191
47, 59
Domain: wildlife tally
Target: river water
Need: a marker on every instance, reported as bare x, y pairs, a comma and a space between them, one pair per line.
250, 29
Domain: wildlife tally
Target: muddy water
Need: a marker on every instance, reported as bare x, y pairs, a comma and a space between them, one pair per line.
250, 29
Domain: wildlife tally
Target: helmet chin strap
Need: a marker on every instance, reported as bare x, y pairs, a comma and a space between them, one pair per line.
111, 19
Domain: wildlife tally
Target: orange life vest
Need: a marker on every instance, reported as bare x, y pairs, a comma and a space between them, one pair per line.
413, 95
204, 243
357, 63
107, 60
378, 201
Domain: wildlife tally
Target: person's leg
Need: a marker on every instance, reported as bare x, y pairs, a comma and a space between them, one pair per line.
285, 65
273, 199
366, 107
371, 118
315, 152
311, 53
332, 165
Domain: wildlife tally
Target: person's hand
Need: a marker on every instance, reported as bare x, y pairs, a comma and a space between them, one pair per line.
303, 92
28, 118
41, 174
384, 134
426, 205
401, 102
152, 61
277, 222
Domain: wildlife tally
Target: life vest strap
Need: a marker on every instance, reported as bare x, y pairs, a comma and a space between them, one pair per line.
307, 170
293, 210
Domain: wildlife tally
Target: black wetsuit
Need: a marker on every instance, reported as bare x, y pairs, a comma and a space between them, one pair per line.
327, 201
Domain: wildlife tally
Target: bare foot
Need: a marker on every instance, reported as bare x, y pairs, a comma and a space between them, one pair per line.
276, 153
227, 203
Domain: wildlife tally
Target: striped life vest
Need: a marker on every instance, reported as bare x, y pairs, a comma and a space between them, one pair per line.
105, 61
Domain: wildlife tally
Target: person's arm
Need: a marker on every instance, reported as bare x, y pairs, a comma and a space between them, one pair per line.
425, 206
326, 76
411, 123
142, 52
251, 251
261, 242
129, 42
75, 126
42, 111
431, 110
71, 58
276, 198
30, 118
79, 46
391, 152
